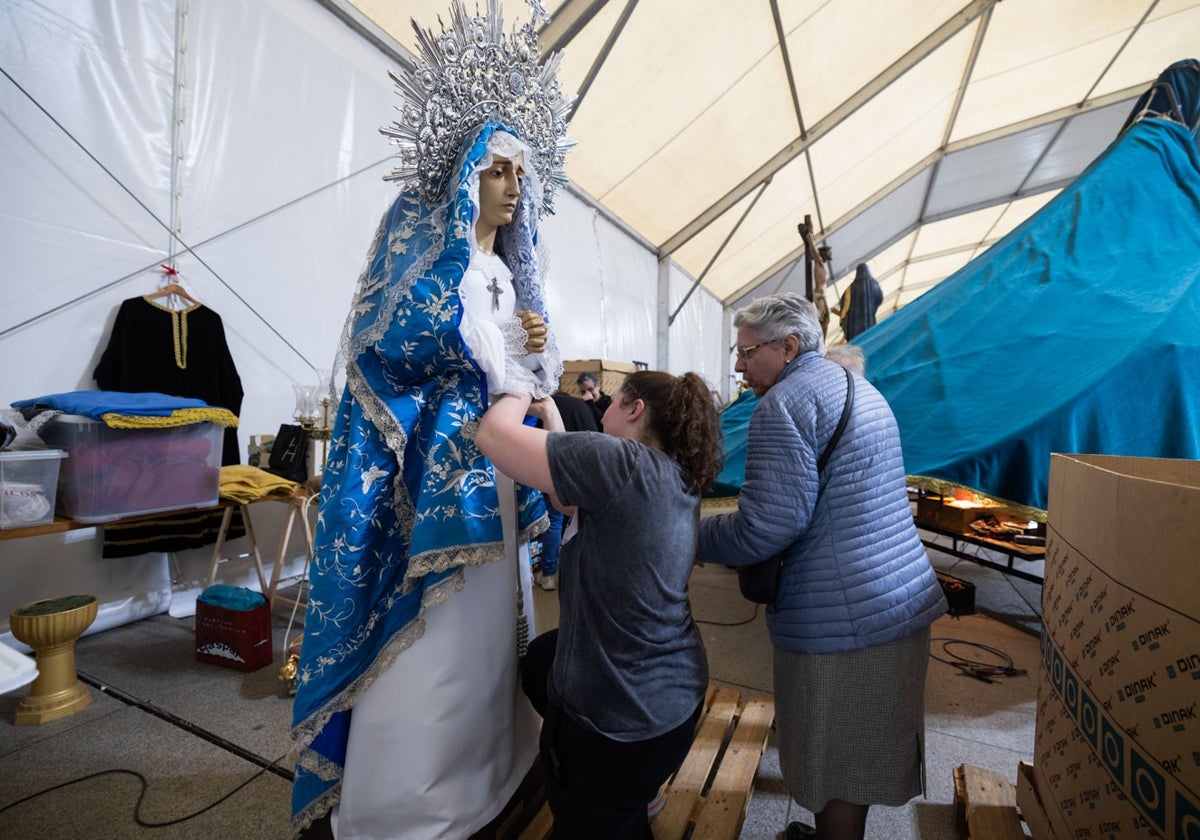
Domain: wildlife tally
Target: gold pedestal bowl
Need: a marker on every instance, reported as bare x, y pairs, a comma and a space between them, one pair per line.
51, 627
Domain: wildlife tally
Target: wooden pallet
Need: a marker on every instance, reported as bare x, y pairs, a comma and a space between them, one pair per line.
985, 805
709, 795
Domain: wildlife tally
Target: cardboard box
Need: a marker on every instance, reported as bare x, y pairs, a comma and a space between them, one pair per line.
1117, 738
231, 635
611, 374
954, 515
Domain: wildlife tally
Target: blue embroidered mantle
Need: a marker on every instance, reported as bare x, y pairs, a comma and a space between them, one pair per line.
407, 499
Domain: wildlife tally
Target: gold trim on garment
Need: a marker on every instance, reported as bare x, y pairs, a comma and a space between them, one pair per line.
179, 329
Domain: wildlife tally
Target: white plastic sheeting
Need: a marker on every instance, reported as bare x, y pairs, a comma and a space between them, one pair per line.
261, 152
600, 285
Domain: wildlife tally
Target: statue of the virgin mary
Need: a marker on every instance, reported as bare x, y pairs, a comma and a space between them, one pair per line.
408, 717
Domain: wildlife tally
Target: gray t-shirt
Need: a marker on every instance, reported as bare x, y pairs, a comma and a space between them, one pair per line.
630, 662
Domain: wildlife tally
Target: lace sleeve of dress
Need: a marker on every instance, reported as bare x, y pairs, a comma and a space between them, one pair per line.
514, 336
523, 373
545, 366
519, 379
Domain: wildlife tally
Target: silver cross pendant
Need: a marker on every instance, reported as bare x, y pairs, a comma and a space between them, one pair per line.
494, 288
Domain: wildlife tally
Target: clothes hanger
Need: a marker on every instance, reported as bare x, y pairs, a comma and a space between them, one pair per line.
172, 288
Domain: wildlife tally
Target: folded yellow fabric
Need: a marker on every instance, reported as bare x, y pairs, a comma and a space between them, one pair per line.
243, 484
178, 417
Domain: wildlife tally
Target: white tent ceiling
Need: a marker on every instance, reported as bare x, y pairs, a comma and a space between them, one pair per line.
914, 133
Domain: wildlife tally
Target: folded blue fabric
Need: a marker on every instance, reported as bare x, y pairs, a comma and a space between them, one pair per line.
95, 404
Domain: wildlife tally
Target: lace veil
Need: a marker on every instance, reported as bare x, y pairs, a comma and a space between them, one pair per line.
419, 234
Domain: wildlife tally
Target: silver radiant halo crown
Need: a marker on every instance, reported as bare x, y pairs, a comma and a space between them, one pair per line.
470, 74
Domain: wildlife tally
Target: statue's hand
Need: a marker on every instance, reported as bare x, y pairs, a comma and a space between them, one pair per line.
535, 329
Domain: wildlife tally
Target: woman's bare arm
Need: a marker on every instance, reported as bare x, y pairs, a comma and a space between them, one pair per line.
546, 410
517, 450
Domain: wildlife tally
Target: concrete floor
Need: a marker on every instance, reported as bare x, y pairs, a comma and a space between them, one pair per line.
201, 750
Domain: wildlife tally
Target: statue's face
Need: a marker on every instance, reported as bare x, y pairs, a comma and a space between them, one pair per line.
499, 191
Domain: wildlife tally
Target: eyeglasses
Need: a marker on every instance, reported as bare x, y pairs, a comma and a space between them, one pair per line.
744, 353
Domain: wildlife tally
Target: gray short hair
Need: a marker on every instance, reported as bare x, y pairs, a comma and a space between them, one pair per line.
775, 317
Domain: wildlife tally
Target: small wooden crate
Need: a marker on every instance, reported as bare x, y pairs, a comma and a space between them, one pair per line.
710, 793
934, 512
985, 805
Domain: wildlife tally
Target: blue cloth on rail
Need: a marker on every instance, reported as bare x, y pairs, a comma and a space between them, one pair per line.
1075, 333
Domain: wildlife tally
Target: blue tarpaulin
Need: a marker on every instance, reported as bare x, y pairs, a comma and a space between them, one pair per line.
735, 422
1078, 332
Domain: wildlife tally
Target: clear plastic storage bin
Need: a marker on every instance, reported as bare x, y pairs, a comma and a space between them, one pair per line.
28, 482
113, 473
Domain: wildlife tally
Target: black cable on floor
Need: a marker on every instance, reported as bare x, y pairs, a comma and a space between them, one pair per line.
137, 808
188, 726
973, 667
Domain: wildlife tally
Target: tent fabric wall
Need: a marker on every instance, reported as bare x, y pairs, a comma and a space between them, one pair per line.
238, 142
600, 285
877, 119
695, 335
276, 195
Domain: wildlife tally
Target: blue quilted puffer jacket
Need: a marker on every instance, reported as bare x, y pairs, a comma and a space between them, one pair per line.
855, 572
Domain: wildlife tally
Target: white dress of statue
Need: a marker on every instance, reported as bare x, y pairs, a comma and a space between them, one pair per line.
441, 740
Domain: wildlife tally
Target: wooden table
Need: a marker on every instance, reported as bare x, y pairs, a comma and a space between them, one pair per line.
61, 524
1010, 549
298, 508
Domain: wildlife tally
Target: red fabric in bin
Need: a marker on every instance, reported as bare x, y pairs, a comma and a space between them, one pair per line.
144, 471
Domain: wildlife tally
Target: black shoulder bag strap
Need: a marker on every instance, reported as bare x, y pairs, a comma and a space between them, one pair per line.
841, 426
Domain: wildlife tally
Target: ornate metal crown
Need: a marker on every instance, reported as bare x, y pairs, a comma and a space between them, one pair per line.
470, 74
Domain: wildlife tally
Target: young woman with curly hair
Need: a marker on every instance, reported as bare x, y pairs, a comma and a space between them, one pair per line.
621, 682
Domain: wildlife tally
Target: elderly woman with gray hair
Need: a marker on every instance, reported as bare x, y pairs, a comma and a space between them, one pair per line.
856, 597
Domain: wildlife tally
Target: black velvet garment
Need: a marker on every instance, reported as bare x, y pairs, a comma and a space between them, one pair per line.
182, 353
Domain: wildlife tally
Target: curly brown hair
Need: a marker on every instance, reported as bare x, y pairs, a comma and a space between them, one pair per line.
683, 418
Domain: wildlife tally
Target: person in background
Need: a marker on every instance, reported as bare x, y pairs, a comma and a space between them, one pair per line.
621, 682
576, 416
859, 303
589, 391
850, 623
